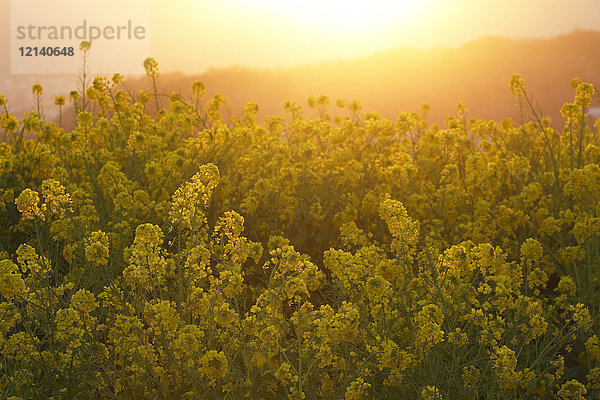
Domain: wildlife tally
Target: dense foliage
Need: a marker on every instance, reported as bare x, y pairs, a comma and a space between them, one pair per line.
179, 252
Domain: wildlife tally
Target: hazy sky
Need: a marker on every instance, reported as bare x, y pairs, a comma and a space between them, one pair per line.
192, 35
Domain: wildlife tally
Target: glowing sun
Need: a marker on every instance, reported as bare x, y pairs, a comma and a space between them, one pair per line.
343, 15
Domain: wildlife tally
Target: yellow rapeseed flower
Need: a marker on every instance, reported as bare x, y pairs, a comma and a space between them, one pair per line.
96, 250
214, 364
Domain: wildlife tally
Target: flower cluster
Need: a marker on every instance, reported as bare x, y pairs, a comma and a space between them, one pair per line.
196, 253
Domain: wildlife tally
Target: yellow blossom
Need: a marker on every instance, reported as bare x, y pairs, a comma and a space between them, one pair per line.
398, 221
470, 376
431, 393
566, 286
572, 390
593, 379
56, 200
357, 389
11, 283
96, 250
214, 364
83, 301
505, 362
190, 199
592, 347
517, 85
146, 264
531, 250
581, 316
9, 316
28, 204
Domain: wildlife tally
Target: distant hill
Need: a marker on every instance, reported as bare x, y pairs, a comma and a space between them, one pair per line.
401, 80
398, 80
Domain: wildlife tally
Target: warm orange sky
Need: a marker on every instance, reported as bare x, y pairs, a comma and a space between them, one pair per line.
192, 35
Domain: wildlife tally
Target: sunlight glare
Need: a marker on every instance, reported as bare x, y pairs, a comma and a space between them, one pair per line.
343, 15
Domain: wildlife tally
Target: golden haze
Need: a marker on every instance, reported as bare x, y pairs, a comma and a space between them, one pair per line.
191, 36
